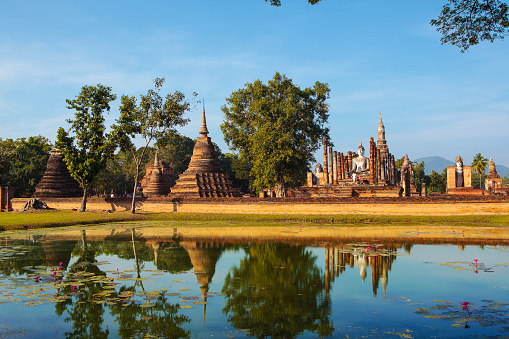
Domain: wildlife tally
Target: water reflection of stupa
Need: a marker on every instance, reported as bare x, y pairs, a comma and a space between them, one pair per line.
204, 257
58, 251
338, 257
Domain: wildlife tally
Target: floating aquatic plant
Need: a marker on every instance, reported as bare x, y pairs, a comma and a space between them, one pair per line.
491, 313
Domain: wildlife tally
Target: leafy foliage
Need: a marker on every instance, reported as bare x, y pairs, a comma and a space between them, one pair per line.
465, 23
7, 148
419, 176
277, 291
177, 150
479, 164
278, 2
117, 176
94, 147
152, 119
276, 127
23, 162
438, 182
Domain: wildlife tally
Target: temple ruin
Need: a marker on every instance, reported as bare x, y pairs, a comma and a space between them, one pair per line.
57, 182
158, 179
352, 174
493, 180
6, 195
459, 179
203, 178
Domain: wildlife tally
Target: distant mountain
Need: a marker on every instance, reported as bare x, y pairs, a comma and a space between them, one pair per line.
438, 164
434, 163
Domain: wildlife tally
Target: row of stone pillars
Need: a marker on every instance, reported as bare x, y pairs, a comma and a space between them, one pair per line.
336, 165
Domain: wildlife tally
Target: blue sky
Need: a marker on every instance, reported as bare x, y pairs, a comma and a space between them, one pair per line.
377, 57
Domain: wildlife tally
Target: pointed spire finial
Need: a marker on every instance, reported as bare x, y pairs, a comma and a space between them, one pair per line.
203, 129
156, 160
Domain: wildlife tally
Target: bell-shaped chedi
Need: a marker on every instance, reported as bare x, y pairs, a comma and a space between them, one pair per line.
203, 178
158, 179
57, 182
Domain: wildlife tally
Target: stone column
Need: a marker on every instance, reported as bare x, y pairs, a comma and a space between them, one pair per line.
378, 166
372, 162
349, 161
335, 168
325, 166
331, 165
342, 165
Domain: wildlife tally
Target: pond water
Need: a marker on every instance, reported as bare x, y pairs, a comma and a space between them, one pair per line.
103, 282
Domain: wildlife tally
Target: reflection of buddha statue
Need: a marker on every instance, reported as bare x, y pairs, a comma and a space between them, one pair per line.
360, 163
459, 171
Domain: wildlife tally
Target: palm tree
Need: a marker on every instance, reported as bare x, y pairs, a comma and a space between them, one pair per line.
479, 164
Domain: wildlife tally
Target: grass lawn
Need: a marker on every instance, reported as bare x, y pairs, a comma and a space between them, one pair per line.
42, 219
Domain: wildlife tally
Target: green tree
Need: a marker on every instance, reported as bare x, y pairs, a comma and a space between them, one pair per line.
465, 23
419, 176
479, 164
117, 176
438, 181
152, 119
7, 148
28, 163
94, 147
177, 150
277, 127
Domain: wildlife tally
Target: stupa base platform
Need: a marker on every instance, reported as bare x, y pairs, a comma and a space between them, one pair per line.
347, 191
204, 185
465, 191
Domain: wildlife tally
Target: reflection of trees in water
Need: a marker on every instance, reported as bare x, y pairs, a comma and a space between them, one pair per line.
85, 315
277, 291
134, 320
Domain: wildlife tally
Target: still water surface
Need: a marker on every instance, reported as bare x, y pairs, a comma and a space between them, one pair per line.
122, 283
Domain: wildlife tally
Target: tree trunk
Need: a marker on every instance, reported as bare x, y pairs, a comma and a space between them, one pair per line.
280, 188
84, 200
133, 203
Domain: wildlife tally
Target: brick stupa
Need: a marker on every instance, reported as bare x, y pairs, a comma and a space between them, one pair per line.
158, 179
203, 178
57, 182
493, 180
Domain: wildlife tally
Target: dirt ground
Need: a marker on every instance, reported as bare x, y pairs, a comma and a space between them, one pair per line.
439, 208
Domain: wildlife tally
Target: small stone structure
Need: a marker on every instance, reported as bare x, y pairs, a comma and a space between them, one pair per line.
459, 179
493, 180
407, 178
203, 178
158, 179
352, 174
35, 204
57, 182
6, 195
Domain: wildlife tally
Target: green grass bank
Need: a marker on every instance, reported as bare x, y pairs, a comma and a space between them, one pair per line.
45, 219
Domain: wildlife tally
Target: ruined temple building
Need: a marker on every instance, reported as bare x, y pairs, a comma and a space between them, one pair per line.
158, 179
57, 182
493, 180
459, 179
203, 178
353, 174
